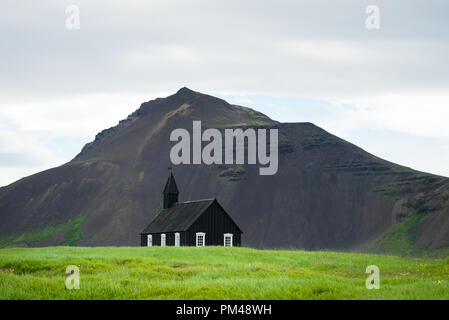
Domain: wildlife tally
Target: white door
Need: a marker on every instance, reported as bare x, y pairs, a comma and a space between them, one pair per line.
200, 239
177, 239
162, 239
227, 239
149, 240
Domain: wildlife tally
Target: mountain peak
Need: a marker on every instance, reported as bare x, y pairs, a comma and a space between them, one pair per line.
186, 93
184, 90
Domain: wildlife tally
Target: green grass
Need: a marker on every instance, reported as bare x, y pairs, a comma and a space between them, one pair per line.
400, 240
73, 234
71, 229
215, 273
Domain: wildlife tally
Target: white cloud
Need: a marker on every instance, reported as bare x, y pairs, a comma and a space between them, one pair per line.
421, 114
49, 133
72, 116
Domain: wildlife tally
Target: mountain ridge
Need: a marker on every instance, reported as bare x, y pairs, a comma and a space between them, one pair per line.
328, 192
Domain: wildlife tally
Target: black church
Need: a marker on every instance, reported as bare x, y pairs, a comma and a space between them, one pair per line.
191, 223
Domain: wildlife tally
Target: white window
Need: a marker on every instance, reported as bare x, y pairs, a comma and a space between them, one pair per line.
200, 239
177, 239
162, 239
227, 241
149, 240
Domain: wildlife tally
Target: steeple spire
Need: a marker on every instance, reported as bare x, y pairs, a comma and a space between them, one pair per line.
171, 192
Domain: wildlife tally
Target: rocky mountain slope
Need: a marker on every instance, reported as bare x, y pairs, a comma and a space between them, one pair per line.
327, 193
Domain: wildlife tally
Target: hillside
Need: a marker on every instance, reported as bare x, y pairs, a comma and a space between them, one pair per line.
216, 273
327, 193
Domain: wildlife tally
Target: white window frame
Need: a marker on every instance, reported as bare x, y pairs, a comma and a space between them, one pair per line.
149, 240
228, 235
163, 240
177, 239
198, 235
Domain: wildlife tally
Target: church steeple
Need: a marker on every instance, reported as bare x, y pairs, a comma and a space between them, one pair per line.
171, 192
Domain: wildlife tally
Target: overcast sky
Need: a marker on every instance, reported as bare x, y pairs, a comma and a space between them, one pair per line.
386, 90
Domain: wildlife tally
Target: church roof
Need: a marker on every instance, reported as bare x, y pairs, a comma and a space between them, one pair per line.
179, 217
170, 186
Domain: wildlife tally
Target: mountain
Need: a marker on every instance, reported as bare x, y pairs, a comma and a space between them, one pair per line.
327, 193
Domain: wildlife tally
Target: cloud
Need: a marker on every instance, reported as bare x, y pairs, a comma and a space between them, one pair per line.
265, 47
38, 135
421, 114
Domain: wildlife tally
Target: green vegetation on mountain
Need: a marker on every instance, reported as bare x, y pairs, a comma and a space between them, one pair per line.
69, 229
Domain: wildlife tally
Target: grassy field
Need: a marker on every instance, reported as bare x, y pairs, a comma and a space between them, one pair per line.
215, 273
